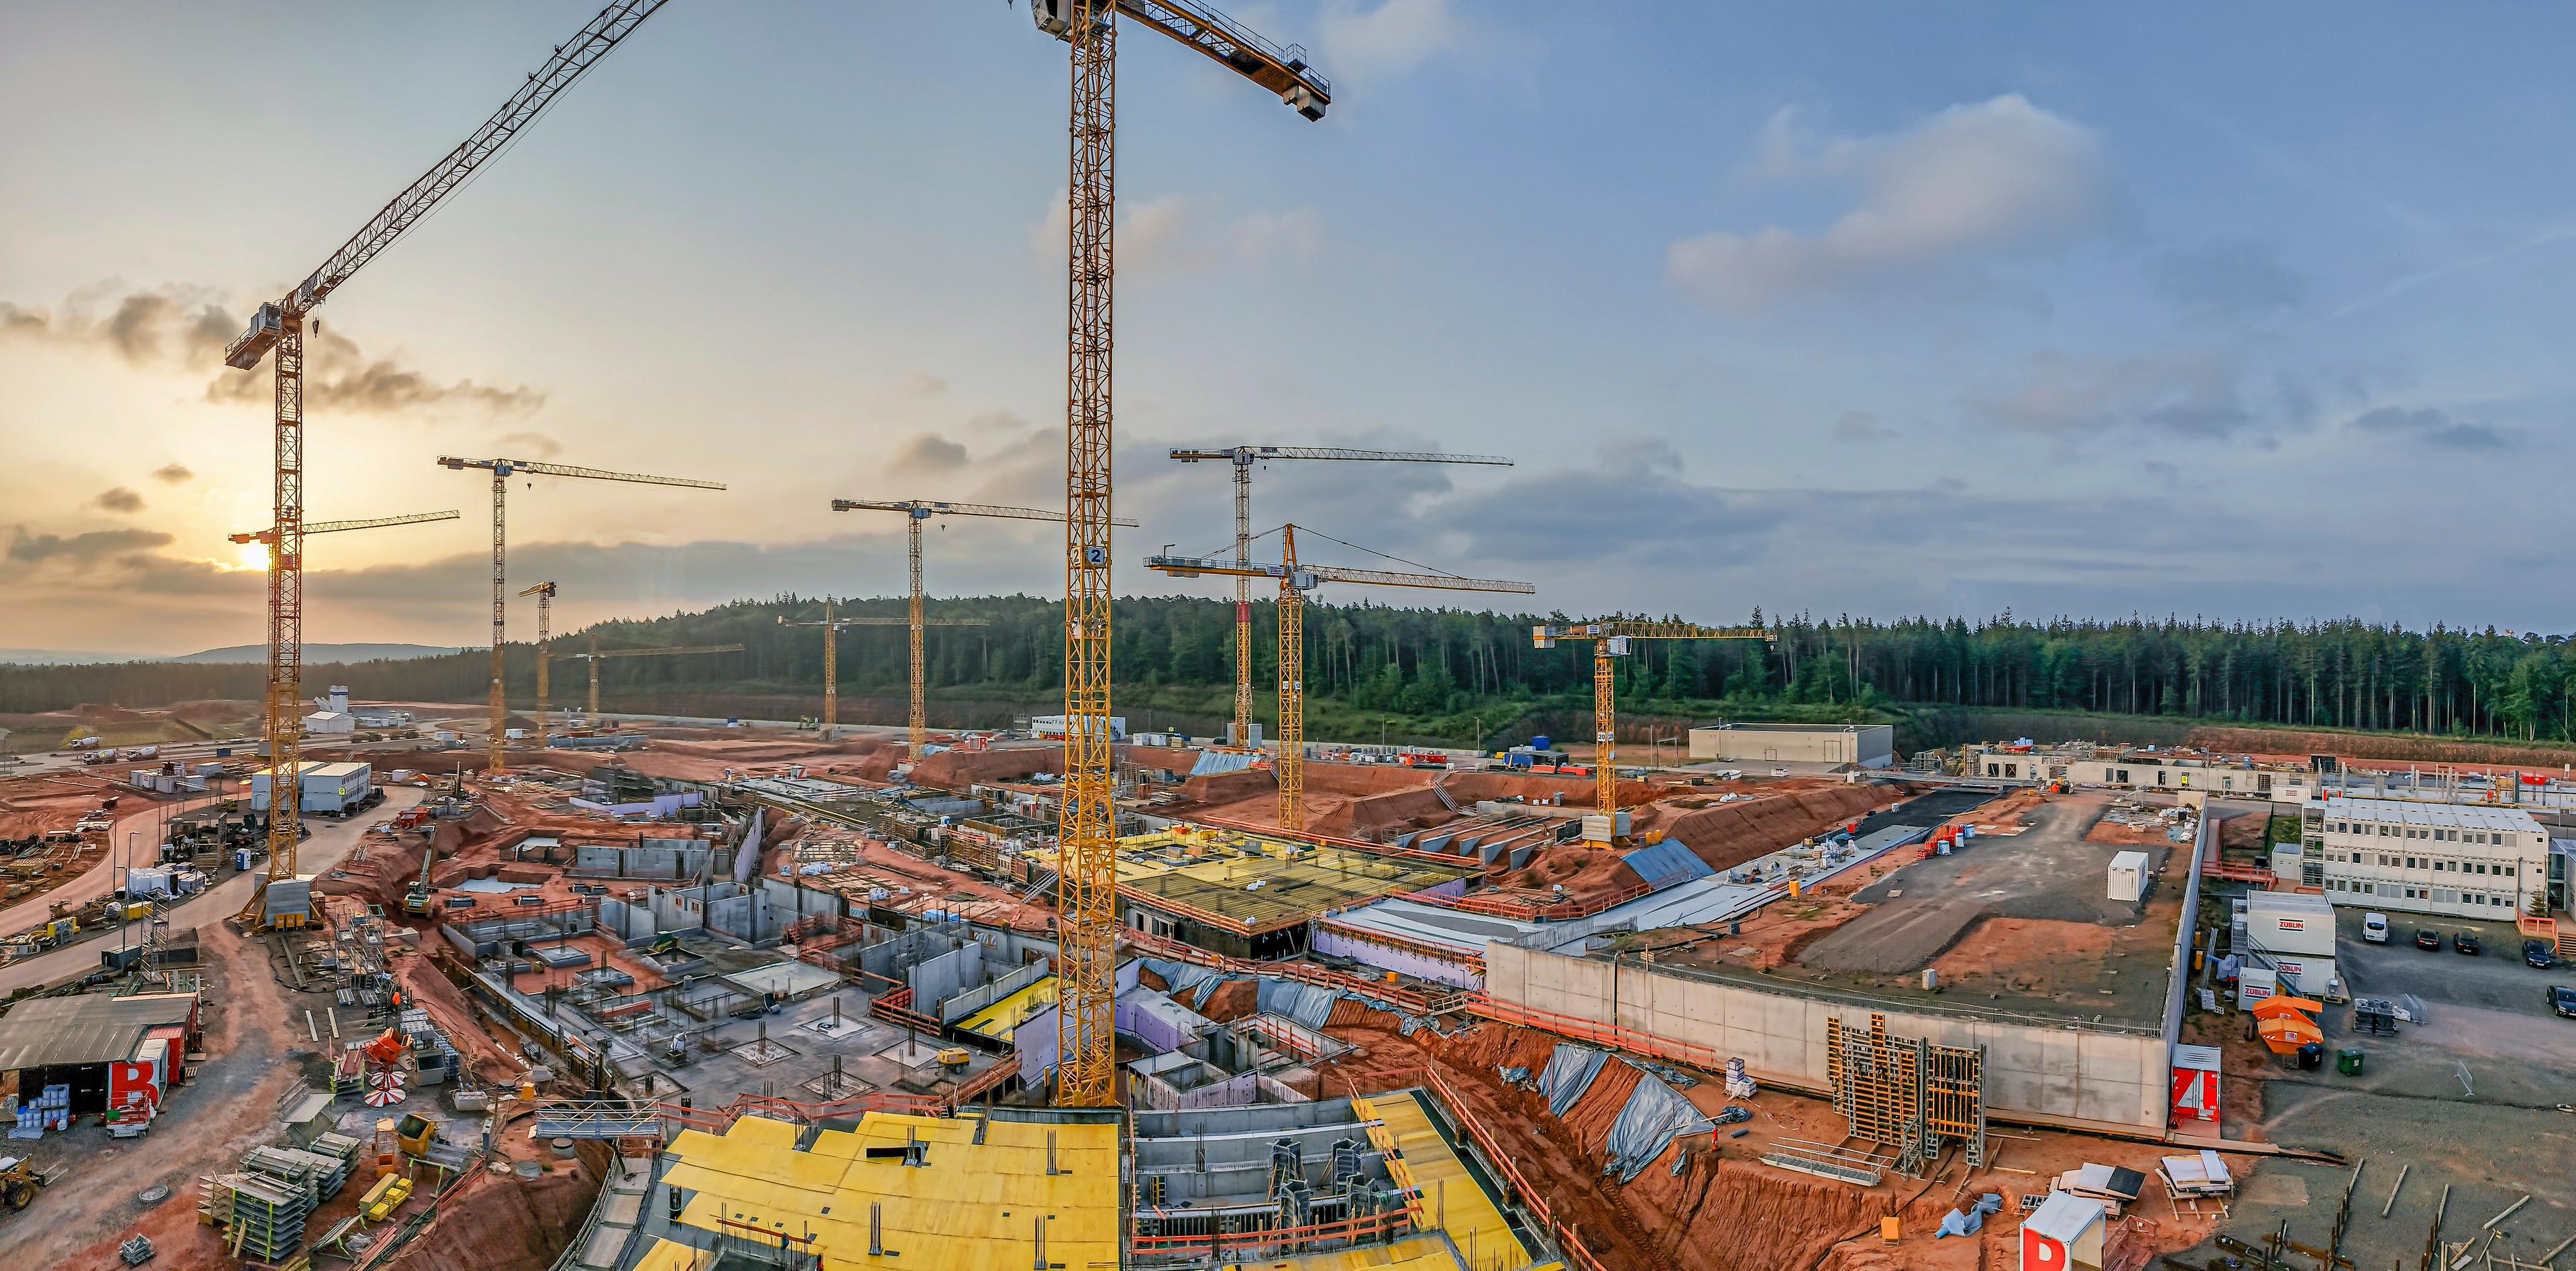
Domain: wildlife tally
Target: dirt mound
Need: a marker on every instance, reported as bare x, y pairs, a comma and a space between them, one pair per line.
958, 769
1740, 1215
495, 1221
2266, 741
1729, 834
1583, 871
1231, 1001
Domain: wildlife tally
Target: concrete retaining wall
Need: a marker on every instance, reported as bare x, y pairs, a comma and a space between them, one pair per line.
2061, 1074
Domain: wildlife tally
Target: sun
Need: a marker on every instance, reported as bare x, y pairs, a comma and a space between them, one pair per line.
253, 556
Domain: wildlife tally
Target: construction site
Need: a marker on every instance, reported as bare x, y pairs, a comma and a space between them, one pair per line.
514, 983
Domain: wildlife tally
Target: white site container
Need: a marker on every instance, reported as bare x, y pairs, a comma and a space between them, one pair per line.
2128, 877
2290, 922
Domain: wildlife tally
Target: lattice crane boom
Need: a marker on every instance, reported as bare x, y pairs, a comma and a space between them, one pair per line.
916, 511
831, 651
1296, 578
276, 331
1610, 637
502, 470
1087, 943
1241, 459
335, 527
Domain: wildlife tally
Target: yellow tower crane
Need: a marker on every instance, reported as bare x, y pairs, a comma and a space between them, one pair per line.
279, 326
915, 512
1610, 638
545, 594
1087, 936
1241, 459
269, 536
502, 470
832, 644
598, 655
1296, 578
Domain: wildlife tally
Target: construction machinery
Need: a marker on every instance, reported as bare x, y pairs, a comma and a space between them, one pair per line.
20, 1181
832, 647
502, 470
916, 511
1296, 578
1087, 826
1241, 459
598, 655
416, 897
545, 594
278, 327
1610, 638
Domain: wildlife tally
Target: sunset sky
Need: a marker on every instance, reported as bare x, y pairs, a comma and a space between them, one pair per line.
2248, 312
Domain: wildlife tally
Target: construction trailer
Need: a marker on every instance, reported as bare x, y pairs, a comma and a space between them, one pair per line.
329, 788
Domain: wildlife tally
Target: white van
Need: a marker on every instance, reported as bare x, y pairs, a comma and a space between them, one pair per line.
2374, 928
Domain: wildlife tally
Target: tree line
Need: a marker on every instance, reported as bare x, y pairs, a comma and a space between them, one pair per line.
1432, 662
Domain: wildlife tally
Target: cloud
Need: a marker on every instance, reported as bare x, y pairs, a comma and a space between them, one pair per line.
535, 444
119, 499
2430, 426
339, 376
173, 474
177, 325
185, 328
1181, 236
1393, 37
2194, 393
78, 549
924, 384
1974, 184
927, 453
1861, 426
2226, 278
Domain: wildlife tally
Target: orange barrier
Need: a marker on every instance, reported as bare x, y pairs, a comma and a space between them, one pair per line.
896, 1008
1505, 907
1516, 1188
1276, 1241
1610, 1035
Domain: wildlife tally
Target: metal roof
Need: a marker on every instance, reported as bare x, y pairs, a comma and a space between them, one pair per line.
2411, 812
86, 1029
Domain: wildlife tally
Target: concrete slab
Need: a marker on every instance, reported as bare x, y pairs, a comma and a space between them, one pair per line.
783, 980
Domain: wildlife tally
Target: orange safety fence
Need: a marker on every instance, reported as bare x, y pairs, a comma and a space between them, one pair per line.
1508, 907
896, 1008
989, 1079
1611, 1035
1517, 1189
1329, 840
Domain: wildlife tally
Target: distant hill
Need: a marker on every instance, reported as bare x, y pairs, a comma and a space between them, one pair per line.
63, 657
321, 653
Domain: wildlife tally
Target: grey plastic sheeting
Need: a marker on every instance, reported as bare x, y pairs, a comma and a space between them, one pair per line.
1568, 1074
1308, 1004
1656, 1114
1186, 977
1667, 863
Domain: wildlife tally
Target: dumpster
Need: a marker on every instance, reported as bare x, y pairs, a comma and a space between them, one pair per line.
2348, 1062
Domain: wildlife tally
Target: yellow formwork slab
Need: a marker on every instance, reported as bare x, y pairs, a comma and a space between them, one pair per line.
1414, 1253
669, 1255
968, 1207
1447, 1197
1003, 1018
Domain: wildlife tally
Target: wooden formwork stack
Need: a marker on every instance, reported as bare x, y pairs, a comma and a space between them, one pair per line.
1906, 1094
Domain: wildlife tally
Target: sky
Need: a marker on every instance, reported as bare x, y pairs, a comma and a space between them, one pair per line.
2237, 312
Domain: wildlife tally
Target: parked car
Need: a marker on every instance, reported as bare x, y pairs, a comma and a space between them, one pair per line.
2466, 942
2427, 938
2538, 953
2562, 999
2374, 928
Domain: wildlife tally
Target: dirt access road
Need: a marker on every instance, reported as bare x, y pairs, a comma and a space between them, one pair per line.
256, 1053
102, 875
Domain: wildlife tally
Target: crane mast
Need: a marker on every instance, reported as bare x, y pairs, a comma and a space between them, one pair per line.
1610, 638
1241, 459
1296, 578
545, 594
915, 512
502, 470
1087, 825
832, 643
596, 656
276, 331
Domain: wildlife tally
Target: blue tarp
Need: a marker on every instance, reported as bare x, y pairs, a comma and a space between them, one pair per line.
1308, 1004
1568, 1074
1667, 863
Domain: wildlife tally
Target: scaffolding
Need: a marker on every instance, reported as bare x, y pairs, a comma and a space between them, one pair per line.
1906, 1094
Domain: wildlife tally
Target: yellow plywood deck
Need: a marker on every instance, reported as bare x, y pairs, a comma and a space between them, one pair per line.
1003, 1018
1277, 882
1448, 1197
1414, 1253
972, 1207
